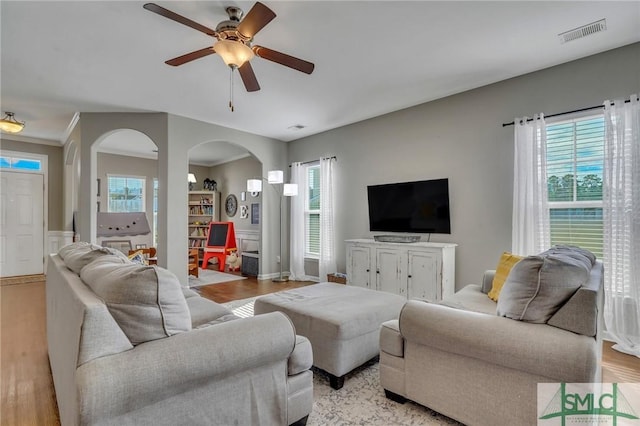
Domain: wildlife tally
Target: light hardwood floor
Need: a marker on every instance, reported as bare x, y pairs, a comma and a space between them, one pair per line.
28, 396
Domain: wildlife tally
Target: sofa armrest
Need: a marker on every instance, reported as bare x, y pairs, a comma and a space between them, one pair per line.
538, 349
391, 340
156, 370
301, 358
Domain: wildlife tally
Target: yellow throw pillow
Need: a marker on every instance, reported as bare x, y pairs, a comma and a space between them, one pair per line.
506, 262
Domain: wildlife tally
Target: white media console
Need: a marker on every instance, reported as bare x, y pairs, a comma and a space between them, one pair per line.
418, 270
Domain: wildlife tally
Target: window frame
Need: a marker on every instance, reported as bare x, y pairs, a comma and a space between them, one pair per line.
143, 195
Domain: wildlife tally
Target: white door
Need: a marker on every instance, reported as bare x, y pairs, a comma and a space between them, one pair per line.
21, 224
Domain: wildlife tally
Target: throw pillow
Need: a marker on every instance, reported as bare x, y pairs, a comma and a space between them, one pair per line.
138, 257
506, 262
538, 286
78, 245
83, 255
146, 301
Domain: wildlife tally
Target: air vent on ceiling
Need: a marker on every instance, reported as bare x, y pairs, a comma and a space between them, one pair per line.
585, 30
296, 127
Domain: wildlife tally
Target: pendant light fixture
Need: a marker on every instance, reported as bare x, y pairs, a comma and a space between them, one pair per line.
9, 124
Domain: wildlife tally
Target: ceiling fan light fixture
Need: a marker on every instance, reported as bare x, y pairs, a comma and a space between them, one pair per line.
233, 53
9, 124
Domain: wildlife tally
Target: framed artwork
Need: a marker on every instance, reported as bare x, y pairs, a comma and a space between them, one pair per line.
255, 214
98, 189
122, 245
244, 212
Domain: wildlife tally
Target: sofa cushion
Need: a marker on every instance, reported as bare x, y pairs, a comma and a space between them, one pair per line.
80, 256
538, 286
470, 298
506, 262
146, 301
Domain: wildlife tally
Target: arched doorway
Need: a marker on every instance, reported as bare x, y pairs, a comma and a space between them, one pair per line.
127, 182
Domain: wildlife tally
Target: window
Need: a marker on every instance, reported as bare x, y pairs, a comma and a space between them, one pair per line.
20, 163
312, 211
126, 194
575, 160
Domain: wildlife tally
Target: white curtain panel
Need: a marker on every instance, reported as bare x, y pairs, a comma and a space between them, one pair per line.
530, 223
327, 263
297, 249
621, 212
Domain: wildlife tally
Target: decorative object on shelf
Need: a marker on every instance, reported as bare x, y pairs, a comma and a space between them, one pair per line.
244, 212
192, 179
209, 184
231, 205
274, 179
255, 214
9, 124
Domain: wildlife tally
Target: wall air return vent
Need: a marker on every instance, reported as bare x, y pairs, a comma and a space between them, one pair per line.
585, 30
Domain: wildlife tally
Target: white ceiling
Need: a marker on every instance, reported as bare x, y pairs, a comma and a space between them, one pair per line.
371, 57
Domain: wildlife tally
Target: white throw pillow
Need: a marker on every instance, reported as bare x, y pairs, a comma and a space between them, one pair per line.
147, 302
83, 255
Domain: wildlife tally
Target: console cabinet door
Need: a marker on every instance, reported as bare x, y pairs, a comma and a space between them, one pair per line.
391, 271
424, 270
359, 266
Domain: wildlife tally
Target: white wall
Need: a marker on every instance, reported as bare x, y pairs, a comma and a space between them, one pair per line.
461, 138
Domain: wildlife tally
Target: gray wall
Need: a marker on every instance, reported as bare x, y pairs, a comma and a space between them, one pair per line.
55, 183
232, 179
461, 138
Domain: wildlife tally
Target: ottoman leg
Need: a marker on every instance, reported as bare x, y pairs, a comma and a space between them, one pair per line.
395, 397
336, 382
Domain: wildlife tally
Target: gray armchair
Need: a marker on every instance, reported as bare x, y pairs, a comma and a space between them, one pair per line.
460, 359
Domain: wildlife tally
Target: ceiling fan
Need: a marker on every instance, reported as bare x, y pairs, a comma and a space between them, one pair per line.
233, 42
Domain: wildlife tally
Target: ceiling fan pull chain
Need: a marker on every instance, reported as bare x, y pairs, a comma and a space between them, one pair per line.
231, 88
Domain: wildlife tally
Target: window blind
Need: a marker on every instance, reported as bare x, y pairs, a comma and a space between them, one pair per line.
575, 159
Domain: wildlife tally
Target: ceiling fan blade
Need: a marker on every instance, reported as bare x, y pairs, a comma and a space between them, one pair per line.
248, 77
284, 59
259, 16
190, 56
152, 7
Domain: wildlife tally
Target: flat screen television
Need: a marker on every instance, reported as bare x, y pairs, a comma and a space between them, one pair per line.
419, 207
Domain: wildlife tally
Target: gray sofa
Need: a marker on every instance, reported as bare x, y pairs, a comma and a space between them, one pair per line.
128, 345
463, 360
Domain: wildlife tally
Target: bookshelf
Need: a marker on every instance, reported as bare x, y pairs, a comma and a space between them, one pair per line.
204, 207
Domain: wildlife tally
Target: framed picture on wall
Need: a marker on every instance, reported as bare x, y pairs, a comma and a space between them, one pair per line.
244, 212
255, 214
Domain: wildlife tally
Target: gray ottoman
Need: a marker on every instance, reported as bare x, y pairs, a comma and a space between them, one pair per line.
342, 322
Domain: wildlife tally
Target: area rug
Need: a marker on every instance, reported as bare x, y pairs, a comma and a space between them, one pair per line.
361, 401
209, 277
